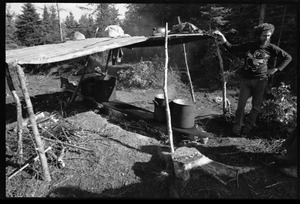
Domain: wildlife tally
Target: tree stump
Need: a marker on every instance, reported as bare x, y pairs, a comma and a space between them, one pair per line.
186, 159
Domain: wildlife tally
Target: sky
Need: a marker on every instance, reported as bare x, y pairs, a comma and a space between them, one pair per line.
65, 9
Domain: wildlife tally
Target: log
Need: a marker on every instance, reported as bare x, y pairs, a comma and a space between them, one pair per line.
38, 141
186, 159
25, 122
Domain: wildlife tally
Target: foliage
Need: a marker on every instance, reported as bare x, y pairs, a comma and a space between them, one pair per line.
281, 108
28, 26
46, 26
71, 26
148, 74
87, 26
106, 14
10, 38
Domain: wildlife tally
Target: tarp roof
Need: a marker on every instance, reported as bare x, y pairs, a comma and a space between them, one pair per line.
50, 53
174, 39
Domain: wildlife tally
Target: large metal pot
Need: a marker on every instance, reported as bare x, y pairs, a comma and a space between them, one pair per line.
160, 107
183, 113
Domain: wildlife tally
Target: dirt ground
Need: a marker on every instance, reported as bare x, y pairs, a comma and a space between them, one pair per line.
123, 162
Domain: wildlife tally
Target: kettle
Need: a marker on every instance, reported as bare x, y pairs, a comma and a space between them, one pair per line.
159, 31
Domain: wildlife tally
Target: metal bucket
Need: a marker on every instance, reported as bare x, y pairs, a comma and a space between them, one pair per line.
159, 99
160, 107
100, 89
183, 113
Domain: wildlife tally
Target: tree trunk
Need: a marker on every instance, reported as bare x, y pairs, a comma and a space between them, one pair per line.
262, 13
38, 142
187, 159
271, 81
280, 32
19, 115
165, 89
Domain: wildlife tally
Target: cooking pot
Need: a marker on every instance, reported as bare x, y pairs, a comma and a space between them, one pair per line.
183, 113
160, 107
159, 31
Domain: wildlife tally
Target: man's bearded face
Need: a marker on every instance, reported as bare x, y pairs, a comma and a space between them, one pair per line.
265, 37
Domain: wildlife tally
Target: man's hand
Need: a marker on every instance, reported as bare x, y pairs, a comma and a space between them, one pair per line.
272, 71
219, 36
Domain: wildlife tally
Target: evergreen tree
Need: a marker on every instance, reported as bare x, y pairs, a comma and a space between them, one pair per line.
87, 26
106, 14
46, 26
54, 24
28, 26
10, 38
71, 25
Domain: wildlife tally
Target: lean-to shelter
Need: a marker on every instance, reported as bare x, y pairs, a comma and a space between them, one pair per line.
73, 49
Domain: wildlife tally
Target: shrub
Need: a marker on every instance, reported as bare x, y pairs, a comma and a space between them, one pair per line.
280, 108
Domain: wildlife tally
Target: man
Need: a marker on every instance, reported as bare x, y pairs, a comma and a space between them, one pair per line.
254, 74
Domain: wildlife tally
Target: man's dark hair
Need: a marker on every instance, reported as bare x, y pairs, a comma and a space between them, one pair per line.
263, 27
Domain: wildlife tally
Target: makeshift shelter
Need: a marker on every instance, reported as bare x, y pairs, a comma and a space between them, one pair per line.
50, 53
68, 50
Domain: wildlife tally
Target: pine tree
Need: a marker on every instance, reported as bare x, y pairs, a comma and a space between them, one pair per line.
10, 38
54, 24
87, 26
28, 26
71, 25
46, 27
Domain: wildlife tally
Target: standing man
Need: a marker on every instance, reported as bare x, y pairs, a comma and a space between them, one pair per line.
254, 74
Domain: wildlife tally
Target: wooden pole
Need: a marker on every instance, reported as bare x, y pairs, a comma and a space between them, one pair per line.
225, 108
187, 68
19, 114
79, 84
165, 89
107, 61
38, 141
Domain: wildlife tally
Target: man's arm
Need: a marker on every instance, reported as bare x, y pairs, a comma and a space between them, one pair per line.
286, 58
230, 47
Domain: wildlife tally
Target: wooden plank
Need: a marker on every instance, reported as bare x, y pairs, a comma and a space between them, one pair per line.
50, 53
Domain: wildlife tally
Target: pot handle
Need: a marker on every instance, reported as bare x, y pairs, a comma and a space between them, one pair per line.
155, 102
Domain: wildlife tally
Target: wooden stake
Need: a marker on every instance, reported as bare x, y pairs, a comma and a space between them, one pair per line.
165, 89
38, 141
187, 68
19, 115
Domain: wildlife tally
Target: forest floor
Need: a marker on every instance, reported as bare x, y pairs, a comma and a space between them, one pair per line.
122, 163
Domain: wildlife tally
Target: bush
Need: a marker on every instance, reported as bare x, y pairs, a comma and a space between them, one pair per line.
280, 108
148, 74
